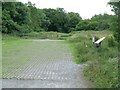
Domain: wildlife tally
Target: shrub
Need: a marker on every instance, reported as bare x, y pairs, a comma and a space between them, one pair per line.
111, 41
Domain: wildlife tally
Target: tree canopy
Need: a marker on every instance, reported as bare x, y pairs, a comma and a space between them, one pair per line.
19, 18
116, 25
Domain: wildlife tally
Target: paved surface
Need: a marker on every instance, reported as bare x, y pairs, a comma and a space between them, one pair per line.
50, 65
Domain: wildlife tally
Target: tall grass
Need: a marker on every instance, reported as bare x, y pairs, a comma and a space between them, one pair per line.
45, 35
102, 62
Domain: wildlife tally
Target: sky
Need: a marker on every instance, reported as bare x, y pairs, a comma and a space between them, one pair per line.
86, 8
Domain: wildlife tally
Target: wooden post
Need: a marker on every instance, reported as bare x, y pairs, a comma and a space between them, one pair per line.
93, 39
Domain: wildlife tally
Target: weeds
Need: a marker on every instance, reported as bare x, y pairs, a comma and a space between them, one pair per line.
102, 62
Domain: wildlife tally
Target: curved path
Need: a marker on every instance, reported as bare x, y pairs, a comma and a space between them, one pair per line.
50, 65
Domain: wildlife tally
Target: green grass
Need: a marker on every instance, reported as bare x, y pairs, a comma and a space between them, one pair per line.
102, 62
12, 53
45, 35
17, 52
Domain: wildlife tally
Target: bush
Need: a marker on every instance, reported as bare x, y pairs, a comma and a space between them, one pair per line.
111, 41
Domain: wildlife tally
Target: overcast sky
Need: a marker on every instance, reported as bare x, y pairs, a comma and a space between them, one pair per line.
86, 8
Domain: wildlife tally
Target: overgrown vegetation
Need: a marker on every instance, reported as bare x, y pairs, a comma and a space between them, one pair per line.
102, 62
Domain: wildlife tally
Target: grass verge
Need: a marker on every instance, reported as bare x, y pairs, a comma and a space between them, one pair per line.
102, 62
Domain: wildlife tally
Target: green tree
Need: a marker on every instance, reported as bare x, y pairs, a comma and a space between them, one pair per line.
14, 16
74, 19
0, 17
104, 21
93, 25
58, 19
82, 25
35, 20
116, 25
